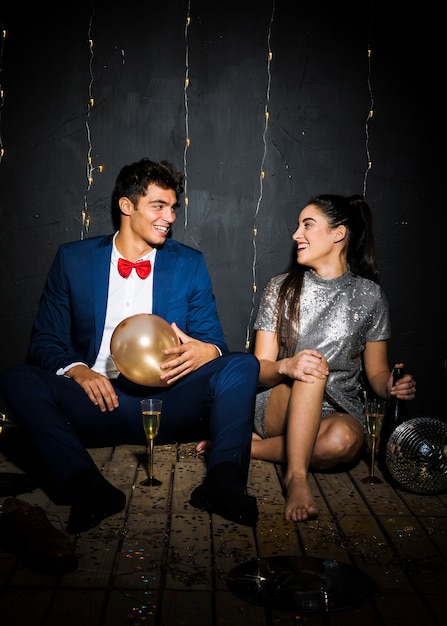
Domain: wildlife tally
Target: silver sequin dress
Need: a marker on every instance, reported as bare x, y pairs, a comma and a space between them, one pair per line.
337, 317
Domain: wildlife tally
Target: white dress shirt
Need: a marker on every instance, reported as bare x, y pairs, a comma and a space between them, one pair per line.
127, 296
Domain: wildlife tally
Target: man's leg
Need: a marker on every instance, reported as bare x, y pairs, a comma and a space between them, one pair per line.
44, 405
225, 389
215, 401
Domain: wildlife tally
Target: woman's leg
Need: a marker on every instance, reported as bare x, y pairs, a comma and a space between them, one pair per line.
340, 440
295, 409
299, 437
272, 449
303, 424
315, 443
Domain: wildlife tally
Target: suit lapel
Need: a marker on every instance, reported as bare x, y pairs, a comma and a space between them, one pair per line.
164, 271
100, 265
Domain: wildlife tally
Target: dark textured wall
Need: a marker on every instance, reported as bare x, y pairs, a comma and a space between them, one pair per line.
301, 116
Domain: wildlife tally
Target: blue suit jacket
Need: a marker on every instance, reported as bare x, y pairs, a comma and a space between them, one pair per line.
71, 315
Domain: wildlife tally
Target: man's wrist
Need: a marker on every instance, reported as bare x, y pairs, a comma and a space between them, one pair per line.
63, 370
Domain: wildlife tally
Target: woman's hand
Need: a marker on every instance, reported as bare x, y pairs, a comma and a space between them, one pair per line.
305, 366
405, 387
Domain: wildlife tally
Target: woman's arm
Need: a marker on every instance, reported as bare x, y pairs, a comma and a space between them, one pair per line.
305, 365
375, 359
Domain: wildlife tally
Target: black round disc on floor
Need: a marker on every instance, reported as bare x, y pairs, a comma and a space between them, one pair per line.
289, 583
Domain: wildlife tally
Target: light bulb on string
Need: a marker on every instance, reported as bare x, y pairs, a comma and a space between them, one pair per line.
185, 91
368, 118
261, 179
90, 168
2, 94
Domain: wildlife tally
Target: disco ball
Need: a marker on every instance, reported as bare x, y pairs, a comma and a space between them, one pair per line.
416, 455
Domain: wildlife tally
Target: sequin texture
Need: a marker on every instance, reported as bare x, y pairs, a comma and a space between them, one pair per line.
337, 317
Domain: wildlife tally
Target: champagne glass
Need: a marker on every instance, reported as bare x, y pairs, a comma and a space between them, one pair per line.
374, 410
150, 414
2, 421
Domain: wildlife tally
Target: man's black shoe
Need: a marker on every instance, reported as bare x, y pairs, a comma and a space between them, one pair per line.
223, 492
13, 484
85, 516
96, 499
239, 508
26, 532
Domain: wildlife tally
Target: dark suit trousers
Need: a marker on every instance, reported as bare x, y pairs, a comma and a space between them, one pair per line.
215, 402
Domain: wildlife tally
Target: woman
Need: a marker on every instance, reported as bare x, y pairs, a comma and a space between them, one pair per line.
322, 329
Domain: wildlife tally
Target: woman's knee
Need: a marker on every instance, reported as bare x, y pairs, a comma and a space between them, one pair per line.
340, 440
350, 439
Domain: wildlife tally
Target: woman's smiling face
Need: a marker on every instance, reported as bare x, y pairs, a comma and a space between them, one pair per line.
314, 237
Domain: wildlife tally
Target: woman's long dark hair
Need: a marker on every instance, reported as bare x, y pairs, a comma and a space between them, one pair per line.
352, 212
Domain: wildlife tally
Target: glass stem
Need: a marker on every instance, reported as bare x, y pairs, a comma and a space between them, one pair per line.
151, 459
373, 455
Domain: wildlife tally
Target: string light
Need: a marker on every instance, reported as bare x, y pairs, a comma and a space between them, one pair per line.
90, 169
369, 116
186, 85
2, 98
261, 178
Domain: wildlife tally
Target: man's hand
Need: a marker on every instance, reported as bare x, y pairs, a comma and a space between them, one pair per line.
98, 387
189, 356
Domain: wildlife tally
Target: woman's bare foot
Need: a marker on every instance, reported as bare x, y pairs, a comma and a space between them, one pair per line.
203, 447
300, 503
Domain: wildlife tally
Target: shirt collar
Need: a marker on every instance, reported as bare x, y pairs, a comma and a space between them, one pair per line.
116, 255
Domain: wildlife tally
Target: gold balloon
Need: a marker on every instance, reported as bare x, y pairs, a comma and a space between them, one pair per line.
137, 346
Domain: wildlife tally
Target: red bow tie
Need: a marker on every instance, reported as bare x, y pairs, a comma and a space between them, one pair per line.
142, 268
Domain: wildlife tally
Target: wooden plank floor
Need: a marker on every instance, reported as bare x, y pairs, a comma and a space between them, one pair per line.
163, 563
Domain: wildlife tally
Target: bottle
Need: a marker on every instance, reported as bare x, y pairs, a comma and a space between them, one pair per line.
395, 414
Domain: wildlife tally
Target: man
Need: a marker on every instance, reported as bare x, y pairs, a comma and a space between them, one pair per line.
69, 395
